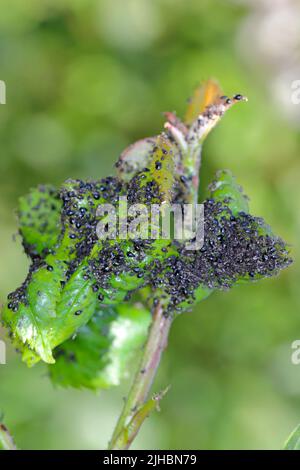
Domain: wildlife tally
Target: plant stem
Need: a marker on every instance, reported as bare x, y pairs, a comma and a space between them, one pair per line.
6, 440
150, 360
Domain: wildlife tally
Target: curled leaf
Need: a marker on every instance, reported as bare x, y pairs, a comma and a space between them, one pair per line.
237, 248
63, 288
136, 157
100, 354
76, 274
39, 219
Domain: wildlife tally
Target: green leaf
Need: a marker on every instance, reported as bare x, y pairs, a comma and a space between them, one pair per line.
100, 354
39, 219
62, 291
224, 189
237, 248
135, 158
55, 299
42, 314
74, 273
155, 183
293, 441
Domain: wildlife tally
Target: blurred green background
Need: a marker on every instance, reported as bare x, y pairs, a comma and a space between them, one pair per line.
84, 79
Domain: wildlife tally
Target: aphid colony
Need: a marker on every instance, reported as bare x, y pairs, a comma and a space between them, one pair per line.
75, 279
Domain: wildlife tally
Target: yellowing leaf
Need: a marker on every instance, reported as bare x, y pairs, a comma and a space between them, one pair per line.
205, 95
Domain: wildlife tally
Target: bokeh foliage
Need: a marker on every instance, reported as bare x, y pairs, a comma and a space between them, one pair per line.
84, 79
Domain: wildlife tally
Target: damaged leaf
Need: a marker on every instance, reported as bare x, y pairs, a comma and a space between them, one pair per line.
73, 311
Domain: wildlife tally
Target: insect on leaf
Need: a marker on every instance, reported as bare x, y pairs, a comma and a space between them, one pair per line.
39, 219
